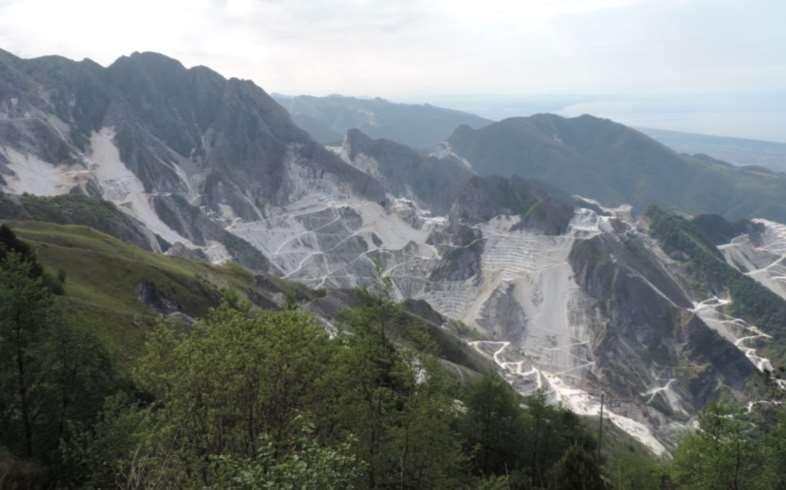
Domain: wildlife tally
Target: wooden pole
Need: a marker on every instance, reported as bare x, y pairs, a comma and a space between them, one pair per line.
600, 428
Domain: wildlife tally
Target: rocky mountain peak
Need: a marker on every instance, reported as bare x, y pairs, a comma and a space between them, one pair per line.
163, 142
539, 208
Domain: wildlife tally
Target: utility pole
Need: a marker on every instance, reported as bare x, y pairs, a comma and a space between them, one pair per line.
600, 428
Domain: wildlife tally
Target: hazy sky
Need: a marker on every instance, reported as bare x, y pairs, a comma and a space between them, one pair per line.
404, 48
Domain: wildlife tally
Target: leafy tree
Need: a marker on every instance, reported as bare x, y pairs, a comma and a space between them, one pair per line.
426, 443
374, 383
776, 453
578, 469
522, 439
26, 313
220, 387
307, 465
53, 376
82, 376
722, 453
394, 401
553, 431
495, 428
631, 471
11, 245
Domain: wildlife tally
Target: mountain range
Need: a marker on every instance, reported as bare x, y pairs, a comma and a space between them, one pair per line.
530, 243
422, 127
327, 119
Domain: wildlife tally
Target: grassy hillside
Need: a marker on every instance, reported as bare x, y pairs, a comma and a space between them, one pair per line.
104, 274
76, 209
104, 277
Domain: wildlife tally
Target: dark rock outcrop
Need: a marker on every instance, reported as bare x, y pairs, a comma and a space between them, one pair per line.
433, 182
649, 329
540, 207
149, 294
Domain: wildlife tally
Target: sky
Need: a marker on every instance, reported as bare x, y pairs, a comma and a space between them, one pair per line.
421, 49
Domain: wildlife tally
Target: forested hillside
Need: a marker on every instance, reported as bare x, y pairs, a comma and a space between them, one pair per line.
245, 397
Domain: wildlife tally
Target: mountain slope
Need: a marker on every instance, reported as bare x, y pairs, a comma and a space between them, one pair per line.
121, 291
615, 164
327, 119
739, 151
77, 209
558, 292
433, 181
165, 143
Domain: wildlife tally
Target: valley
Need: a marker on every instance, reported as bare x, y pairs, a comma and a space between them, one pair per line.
531, 247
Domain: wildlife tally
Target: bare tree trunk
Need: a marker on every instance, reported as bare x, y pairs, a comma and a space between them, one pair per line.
735, 483
23, 393
404, 458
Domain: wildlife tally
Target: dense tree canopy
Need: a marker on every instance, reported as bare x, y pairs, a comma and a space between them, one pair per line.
53, 376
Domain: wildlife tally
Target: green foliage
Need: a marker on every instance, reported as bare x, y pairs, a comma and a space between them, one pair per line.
679, 234
775, 441
26, 312
633, 471
9, 243
263, 399
229, 380
494, 427
394, 402
722, 453
103, 277
54, 376
578, 470
719, 231
524, 439
75, 209
306, 465
236, 387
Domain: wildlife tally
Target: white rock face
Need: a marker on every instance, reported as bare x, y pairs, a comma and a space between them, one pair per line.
32, 175
735, 330
763, 261
444, 150
103, 167
323, 241
122, 187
